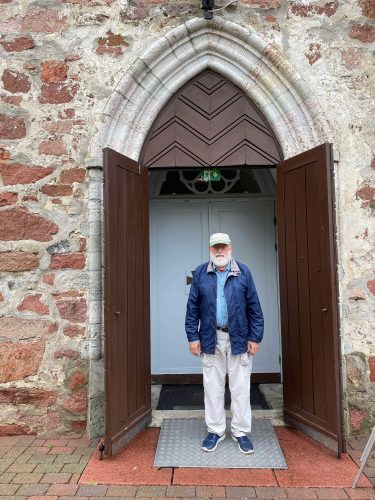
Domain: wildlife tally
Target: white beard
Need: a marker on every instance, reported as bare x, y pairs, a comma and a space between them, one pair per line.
221, 261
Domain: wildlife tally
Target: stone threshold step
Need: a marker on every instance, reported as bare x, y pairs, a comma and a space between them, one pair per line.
276, 416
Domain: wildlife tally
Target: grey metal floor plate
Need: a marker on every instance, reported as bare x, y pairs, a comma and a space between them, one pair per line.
180, 442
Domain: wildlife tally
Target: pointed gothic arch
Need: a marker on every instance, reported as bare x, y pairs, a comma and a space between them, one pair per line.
256, 66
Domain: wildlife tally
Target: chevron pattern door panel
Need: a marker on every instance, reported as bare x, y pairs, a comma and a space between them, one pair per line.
210, 122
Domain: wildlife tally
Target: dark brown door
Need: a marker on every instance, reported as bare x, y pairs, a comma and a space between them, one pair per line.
306, 231
126, 305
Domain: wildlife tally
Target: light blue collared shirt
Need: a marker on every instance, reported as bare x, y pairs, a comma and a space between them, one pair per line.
221, 303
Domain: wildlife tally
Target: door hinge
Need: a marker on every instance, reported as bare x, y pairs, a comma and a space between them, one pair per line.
275, 247
274, 220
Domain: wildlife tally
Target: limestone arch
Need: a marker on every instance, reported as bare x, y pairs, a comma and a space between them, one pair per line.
255, 65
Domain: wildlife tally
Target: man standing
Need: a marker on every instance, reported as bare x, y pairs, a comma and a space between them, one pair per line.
224, 325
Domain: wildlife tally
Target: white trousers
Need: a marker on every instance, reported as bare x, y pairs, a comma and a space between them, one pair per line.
215, 367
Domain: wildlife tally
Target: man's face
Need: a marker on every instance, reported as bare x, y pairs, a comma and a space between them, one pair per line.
221, 254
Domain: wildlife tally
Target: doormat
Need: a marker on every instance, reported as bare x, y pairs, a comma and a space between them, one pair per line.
180, 442
191, 397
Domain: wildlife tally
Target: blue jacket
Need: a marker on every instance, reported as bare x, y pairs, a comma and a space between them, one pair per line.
245, 317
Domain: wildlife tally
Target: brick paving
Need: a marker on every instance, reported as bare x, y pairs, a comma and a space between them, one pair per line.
355, 448
33, 468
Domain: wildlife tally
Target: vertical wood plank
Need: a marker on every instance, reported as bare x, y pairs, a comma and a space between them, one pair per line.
122, 292
307, 393
292, 291
327, 288
287, 390
132, 298
315, 278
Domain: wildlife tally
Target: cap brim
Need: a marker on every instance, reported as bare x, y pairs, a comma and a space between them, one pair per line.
220, 243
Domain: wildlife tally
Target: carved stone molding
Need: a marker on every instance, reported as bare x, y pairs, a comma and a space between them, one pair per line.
256, 66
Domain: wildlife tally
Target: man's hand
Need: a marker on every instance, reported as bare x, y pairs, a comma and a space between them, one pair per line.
195, 348
252, 347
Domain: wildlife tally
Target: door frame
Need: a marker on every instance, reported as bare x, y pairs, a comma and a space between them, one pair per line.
257, 378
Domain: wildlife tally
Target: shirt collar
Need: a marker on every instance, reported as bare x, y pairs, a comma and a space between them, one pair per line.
227, 267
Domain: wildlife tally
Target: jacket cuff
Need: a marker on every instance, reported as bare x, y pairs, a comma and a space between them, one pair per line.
193, 338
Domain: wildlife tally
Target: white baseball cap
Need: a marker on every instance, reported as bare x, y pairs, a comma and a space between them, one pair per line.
219, 238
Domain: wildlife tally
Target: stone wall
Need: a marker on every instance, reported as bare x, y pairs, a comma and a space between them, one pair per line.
61, 62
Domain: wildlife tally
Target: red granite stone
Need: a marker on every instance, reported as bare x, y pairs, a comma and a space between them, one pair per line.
54, 71
12, 127
18, 173
18, 44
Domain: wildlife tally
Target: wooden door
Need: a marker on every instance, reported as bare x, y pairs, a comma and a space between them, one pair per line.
310, 341
126, 305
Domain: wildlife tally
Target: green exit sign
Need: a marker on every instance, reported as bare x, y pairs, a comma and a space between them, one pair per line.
209, 174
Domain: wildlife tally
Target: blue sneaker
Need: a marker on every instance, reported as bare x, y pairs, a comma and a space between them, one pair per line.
211, 441
244, 444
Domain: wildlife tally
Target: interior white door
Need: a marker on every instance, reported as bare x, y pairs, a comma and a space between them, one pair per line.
179, 234
178, 244
250, 224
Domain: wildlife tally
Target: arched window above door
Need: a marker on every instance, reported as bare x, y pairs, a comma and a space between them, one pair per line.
210, 122
233, 181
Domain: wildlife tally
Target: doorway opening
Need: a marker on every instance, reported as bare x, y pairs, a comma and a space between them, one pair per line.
184, 210
210, 123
